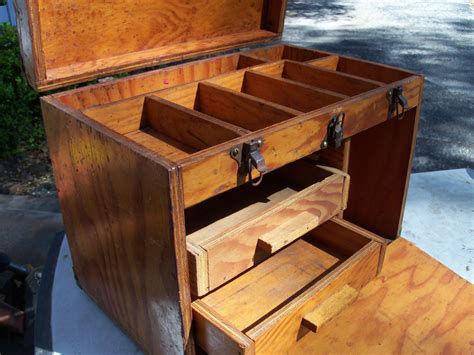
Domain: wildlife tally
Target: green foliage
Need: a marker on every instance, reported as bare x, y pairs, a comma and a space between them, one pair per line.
21, 126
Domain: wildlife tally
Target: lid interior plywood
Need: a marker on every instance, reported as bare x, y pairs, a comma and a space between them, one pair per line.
65, 42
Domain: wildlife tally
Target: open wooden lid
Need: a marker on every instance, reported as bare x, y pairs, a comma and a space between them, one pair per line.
65, 42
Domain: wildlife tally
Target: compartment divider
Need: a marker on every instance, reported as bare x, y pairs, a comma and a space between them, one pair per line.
160, 143
346, 84
329, 62
238, 108
189, 127
287, 92
246, 60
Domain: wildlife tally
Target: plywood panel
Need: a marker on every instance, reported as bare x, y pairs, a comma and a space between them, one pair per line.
250, 297
124, 224
416, 305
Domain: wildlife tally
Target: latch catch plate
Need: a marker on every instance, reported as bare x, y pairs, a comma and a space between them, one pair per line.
395, 101
248, 157
335, 132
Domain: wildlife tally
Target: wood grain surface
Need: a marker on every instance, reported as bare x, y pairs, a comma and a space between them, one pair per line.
330, 308
379, 184
328, 79
124, 223
235, 251
217, 336
211, 173
253, 295
275, 215
280, 332
64, 42
416, 305
128, 168
189, 127
288, 93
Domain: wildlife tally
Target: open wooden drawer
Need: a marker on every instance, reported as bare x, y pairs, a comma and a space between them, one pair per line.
297, 290
233, 231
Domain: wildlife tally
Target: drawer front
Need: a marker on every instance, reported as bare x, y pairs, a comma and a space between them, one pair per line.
267, 311
280, 332
219, 260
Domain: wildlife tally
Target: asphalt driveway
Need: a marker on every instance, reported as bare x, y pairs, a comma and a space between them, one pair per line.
435, 38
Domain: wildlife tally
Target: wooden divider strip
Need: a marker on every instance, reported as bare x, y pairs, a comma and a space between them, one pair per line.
190, 127
286, 92
238, 108
329, 62
328, 79
246, 61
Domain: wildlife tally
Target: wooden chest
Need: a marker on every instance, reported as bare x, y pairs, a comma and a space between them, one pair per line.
229, 204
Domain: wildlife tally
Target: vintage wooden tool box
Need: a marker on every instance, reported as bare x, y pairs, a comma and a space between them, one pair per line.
229, 204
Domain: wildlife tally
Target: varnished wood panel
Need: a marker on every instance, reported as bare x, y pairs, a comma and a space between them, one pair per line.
239, 109
301, 54
274, 15
246, 61
146, 83
80, 41
30, 41
379, 184
160, 144
373, 71
328, 79
287, 93
189, 127
416, 305
112, 29
329, 62
124, 222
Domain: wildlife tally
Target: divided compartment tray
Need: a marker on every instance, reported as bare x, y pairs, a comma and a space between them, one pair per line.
273, 305
231, 232
284, 95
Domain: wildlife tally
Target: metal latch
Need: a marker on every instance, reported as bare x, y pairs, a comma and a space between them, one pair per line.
335, 132
248, 156
395, 101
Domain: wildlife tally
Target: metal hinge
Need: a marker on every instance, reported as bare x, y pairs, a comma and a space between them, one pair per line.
395, 101
335, 132
248, 156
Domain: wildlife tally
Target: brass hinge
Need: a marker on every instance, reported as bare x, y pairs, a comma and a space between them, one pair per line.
248, 156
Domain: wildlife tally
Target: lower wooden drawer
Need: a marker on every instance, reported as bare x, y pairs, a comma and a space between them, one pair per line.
238, 229
269, 308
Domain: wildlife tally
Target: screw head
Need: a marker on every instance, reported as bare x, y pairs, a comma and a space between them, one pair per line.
234, 152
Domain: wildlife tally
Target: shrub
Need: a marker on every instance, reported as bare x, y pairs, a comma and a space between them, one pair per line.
21, 126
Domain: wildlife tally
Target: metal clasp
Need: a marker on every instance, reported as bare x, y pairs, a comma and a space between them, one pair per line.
335, 132
248, 156
395, 101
